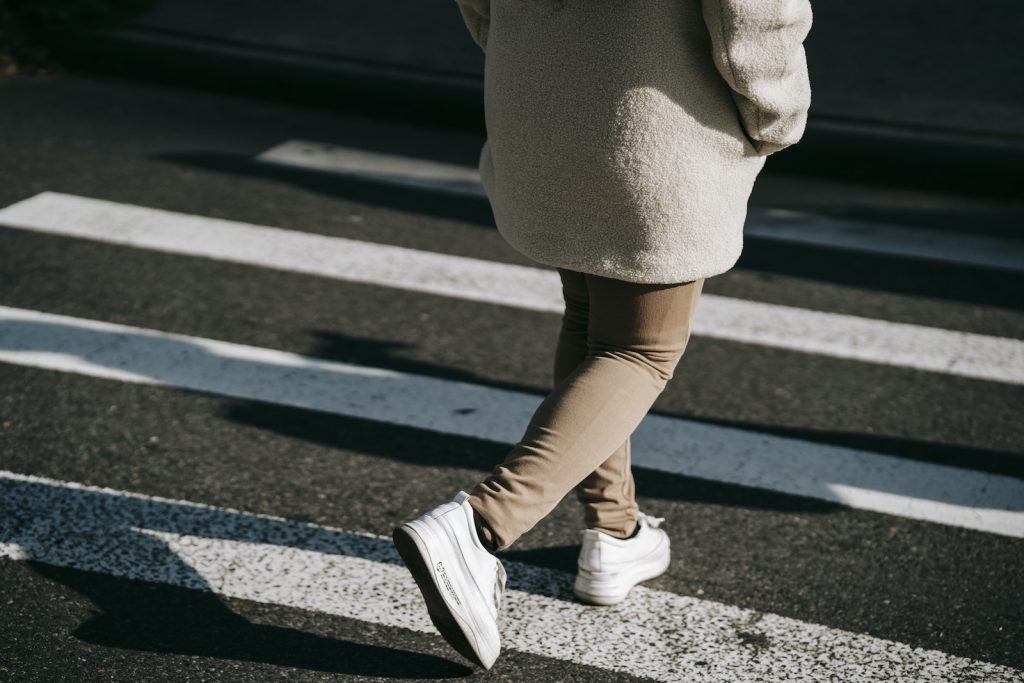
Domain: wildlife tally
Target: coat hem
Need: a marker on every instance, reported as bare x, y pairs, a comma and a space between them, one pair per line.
647, 275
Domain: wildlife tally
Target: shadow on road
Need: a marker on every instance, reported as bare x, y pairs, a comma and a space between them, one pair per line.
302, 398
329, 184
164, 619
895, 274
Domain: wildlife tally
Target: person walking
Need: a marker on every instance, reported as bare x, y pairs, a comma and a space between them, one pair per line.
623, 141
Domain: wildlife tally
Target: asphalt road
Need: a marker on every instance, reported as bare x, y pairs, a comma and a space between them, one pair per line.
75, 611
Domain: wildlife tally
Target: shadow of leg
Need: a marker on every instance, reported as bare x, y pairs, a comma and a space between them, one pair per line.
154, 617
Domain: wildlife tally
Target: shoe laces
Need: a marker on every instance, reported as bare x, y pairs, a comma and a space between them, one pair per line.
651, 520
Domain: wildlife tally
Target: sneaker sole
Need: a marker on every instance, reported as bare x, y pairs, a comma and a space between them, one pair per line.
414, 554
644, 572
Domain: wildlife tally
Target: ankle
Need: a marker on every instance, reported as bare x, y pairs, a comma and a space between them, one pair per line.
618, 534
484, 533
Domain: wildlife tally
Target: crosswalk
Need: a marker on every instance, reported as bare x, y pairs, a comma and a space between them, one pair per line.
864, 480
819, 332
274, 560
772, 224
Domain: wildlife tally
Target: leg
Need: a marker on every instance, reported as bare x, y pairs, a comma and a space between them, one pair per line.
608, 494
637, 335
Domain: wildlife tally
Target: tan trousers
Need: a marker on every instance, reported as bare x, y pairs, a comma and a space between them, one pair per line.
618, 346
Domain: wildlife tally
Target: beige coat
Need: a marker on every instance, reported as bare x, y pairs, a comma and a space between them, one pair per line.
624, 136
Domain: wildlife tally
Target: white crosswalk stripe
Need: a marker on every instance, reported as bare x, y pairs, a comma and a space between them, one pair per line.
377, 166
771, 224
930, 349
275, 561
859, 479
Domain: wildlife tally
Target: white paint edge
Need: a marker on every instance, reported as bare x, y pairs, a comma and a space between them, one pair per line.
778, 225
376, 166
887, 239
994, 359
271, 560
858, 479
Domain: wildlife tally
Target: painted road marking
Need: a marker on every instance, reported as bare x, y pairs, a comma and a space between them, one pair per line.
377, 166
785, 226
891, 240
360, 576
869, 481
995, 359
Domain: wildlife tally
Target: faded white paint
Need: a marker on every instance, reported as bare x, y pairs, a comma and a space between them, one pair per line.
359, 576
377, 166
919, 347
858, 479
774, 224
961, 248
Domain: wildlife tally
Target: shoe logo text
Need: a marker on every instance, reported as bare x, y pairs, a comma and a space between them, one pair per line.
447, 583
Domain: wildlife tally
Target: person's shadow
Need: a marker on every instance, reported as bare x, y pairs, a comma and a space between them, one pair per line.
165, 619
108, 548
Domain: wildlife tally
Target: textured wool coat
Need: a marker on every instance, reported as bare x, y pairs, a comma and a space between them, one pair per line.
624, 136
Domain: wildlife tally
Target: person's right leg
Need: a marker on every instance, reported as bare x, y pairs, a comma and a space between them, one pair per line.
608, 494
637, 335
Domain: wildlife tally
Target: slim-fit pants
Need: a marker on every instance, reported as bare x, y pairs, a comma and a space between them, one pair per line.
618, 346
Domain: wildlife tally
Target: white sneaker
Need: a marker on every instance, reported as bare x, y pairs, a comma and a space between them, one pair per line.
608, 567
462, 583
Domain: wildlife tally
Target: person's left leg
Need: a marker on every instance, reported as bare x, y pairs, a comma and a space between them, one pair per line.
637, 334
608, 494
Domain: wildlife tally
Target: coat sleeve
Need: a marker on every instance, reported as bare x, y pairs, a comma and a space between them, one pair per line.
757, 47
477, 15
